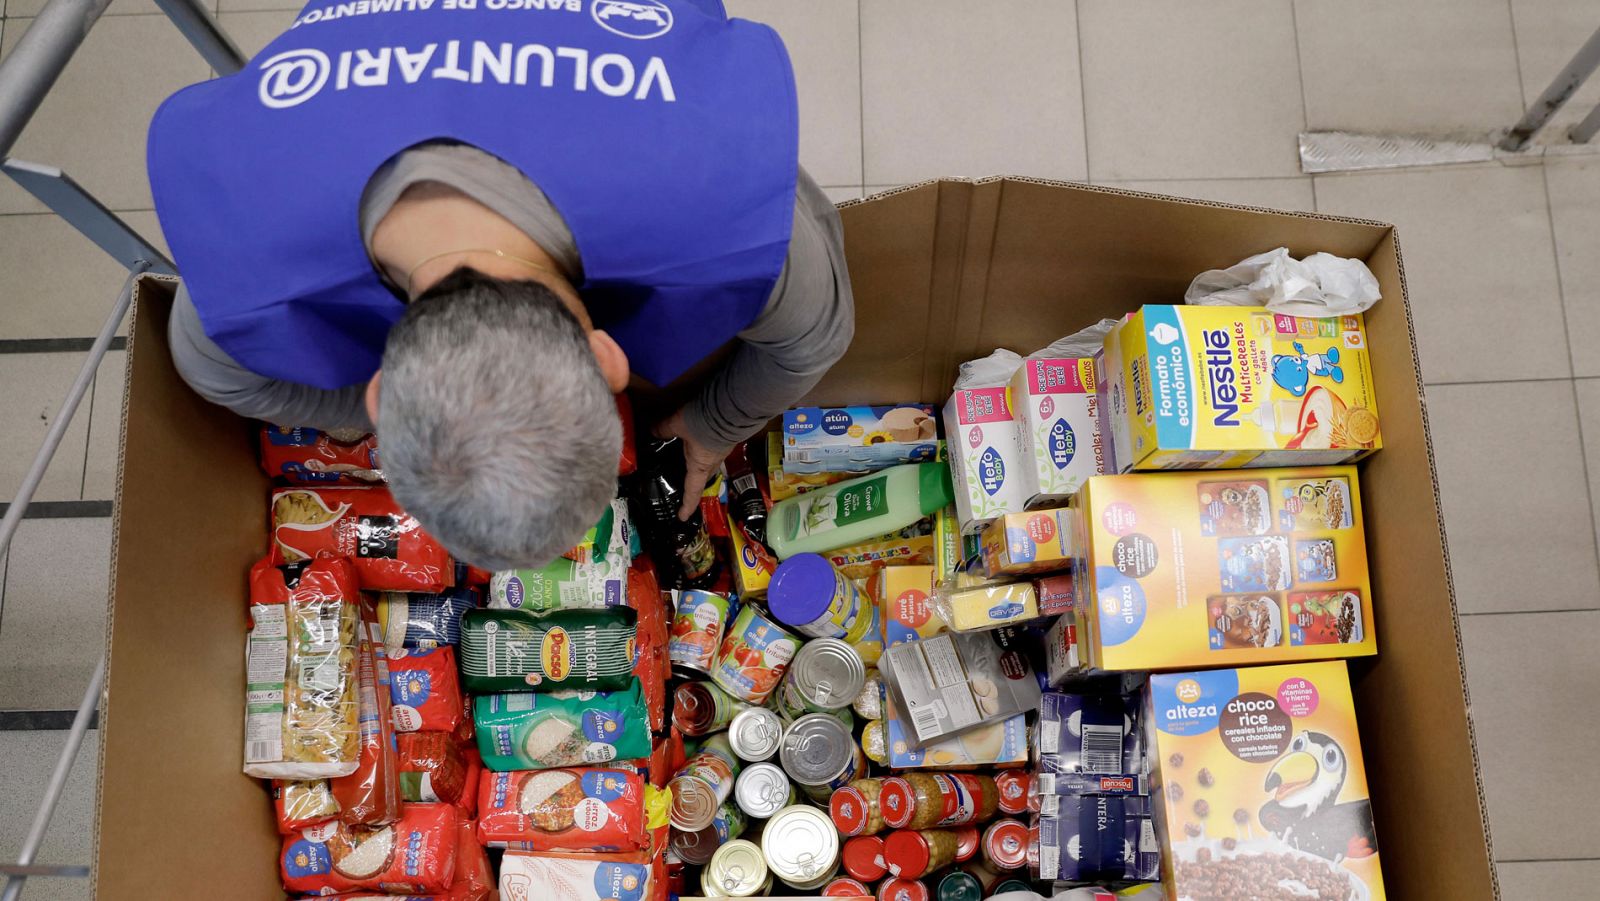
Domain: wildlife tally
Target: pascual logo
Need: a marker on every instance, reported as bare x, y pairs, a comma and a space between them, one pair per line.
292, 77
638, 19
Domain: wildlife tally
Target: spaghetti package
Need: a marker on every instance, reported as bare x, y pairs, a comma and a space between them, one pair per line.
371, 795
431, 767
531, 877
513, 650
423, 621
563, 810
302, 456
417, 854
424, 691
365, 525
301, 698
651, 664
300, 804
528, 731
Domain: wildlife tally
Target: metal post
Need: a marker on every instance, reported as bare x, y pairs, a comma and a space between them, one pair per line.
1565, 85
33, 65
196, 24
1585, 130
58, 781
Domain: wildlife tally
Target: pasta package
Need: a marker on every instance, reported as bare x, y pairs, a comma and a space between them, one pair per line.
301, 698
529, 731
534, 877
423, 621
365, 525
302, 456
424, 691
563, 810
651, 663
416, 855
513, 650
371, 794
469, 792
431, 767
302, 803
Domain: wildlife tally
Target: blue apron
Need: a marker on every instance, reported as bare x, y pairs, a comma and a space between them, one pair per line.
664, 133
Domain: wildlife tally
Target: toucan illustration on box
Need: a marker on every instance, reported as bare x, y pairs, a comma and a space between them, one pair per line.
1305, 785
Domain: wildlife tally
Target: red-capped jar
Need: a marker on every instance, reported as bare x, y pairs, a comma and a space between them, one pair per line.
863, 859
1005, 845
912, 855
854, 808
968, 839
937, 800
844, 887
902, 890
1014, 787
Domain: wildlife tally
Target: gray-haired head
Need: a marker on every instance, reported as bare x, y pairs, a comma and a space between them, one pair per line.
497, 428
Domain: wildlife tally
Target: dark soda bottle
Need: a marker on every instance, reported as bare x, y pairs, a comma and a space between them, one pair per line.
745, 502
682, 550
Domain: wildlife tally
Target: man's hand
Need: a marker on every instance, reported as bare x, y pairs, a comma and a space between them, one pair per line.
699, 462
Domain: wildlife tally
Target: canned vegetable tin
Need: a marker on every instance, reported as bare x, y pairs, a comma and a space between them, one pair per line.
701, 708
697, 622
755, 734
762, 790
737, 870
820, 755
801, 847
808, 593
702, 784
754, 655
825, 675
697, 847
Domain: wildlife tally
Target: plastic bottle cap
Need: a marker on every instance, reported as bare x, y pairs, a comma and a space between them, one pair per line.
907, 854
802, 589
862, 857
967, 839
897, 801
849, 809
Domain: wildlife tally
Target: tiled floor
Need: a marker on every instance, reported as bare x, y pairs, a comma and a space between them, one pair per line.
1194, 99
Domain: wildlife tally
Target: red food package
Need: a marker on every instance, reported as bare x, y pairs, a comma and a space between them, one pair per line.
425, 690
474, 874
583, 809
630, 457
431, 767
300, 804
371, 795
390, 550
651, 664
303, 456
666, 758
417, 854
469, 792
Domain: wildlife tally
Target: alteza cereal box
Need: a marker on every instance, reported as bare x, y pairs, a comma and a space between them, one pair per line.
1259, 780
1231, 387
1058, 414
1196, 569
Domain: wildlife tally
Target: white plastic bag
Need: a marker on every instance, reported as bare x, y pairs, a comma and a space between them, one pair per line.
1082, 343
1321, 285
992, 371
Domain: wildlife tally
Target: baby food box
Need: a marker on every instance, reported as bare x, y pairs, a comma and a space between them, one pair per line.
1197, 569
1231, 387
1259, 775
1023, 543
1058, 417
986, 461
857, 439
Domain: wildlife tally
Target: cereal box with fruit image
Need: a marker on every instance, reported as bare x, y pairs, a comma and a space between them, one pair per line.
1196, 569
1259, 785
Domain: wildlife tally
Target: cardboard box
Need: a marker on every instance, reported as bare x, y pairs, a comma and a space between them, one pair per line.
942, 272
857, 439
987, 466
1058, 417
1023, 543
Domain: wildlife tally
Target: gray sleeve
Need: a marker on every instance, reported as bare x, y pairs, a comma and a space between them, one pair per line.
216, 377
806, 327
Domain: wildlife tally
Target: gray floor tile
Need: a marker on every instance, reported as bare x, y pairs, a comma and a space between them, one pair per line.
252, 31
1549, 880
956, 88
1533, 677
1589, 418
1549, 32
105, 430
1273, 193
1575, 214
93, 124
53, 628
35, 385
1174, 89
65, 286
823, 37
1430, 66
26, 761
1480, 268
233, 6
1546, 518
29, 8
840, 195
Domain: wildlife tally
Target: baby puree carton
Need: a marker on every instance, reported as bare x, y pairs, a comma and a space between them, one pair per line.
1199, 569
1230, 387
986, 461
1058, 414
1259, 782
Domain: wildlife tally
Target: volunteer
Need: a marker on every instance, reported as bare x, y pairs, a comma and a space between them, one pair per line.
470, 227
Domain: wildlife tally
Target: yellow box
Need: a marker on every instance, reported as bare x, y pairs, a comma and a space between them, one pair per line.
914, 545
1229, 387
1038, 542
753, 564
902, 593
1198, 569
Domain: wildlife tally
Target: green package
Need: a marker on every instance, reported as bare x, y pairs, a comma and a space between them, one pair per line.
515, 650
529, 731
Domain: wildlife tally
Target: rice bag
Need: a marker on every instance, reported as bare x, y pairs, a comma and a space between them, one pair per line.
563, 810
302, 803
468, 802
474, 873
417, 854
535, 877
365, 525
371, 795
303, 456
301, 698
423, 621
431, 767
528, 731
511, 650
424, 690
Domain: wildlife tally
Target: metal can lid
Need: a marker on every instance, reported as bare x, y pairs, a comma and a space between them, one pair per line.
863, 858
850, 809
800, 844
845, 887
755, 734
737, 870
694, 803
907, 853
1013, 786
897, 801
902, 890
1005, 844
817, 749
695, 847
828, 672
762, 790
959, 886
967, 841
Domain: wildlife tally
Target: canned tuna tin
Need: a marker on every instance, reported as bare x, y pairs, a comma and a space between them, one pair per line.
737, 870
702, 784
825, 675
697, 847
701, 708
845, 887
820, 755
801, 847
754, 655
755, 734
762, 790
697, 622
808, 593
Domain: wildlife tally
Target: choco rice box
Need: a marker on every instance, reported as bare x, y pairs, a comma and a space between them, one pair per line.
1200, 569
1260, 781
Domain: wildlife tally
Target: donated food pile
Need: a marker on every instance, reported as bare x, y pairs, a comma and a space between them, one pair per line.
900, 651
